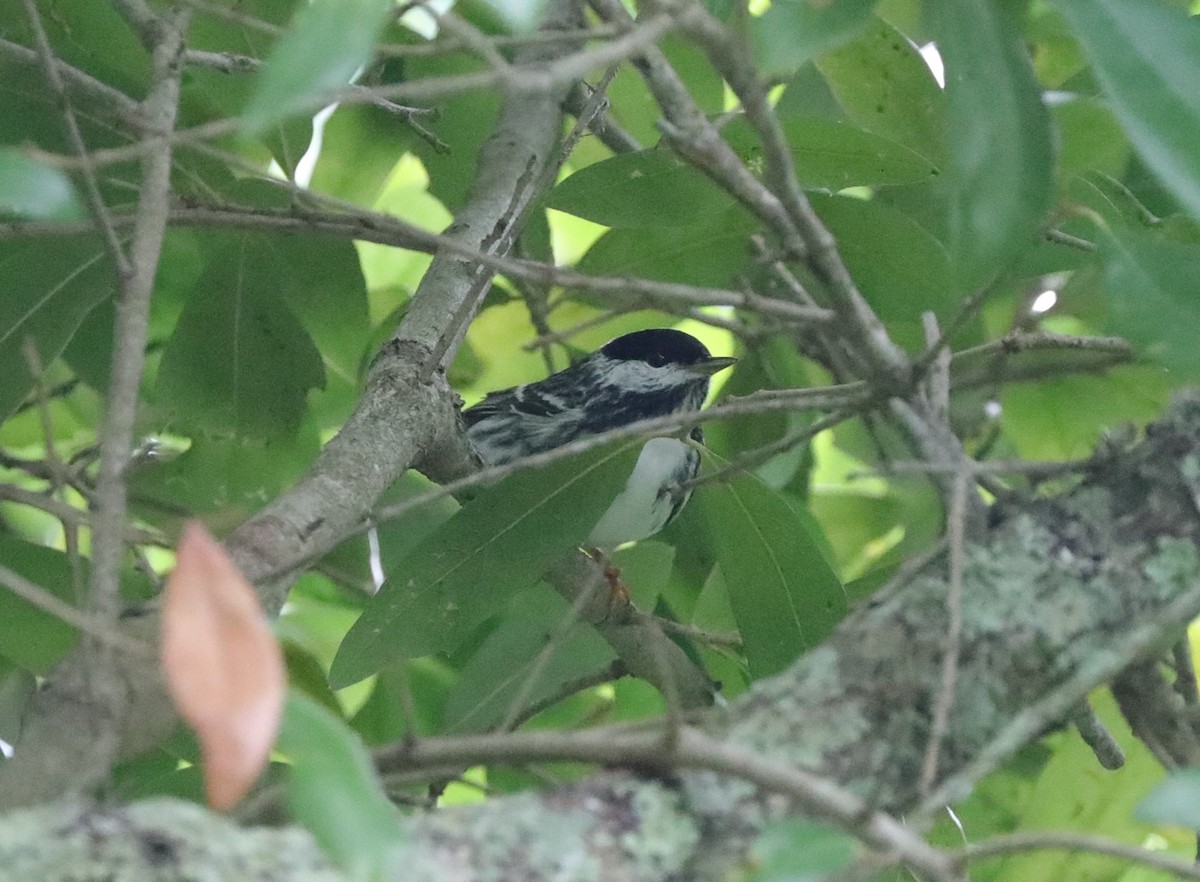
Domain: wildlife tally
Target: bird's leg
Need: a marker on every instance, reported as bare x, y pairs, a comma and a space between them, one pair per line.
619, 599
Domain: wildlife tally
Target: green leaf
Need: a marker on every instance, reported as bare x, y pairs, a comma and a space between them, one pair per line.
465, 571
419, 686
800, 851
1174, 801
464, 122
328, 42
31, 189
642, 189
791, 32
332, 789
771, 364
1091, 138
634, 108
1001, 159
208, 94
359, 147
1072, 793
1146, 55
654, 188
1066, 417
306, 674
34, 639
17, 686
885, 87
785, 596
239, 361
224, 479
711, 252
831, 154
49, 287
499, 671
1152, 287
901, 268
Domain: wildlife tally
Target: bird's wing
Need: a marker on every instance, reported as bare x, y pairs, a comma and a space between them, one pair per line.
528, 400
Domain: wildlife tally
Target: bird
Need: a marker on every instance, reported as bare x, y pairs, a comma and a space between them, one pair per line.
637, 376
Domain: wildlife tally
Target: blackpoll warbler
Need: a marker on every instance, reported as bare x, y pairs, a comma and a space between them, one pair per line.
634, 377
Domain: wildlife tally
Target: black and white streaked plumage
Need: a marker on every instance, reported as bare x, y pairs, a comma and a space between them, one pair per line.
634, 377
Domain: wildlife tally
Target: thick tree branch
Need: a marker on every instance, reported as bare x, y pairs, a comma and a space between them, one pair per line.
1059, 596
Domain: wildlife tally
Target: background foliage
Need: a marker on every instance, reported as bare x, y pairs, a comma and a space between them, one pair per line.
1058, 157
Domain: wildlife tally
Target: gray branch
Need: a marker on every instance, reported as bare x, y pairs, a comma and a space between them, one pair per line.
1061, 596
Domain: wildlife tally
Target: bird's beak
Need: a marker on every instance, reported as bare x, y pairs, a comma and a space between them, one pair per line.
712, 365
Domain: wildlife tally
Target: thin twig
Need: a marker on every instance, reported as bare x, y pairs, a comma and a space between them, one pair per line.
691, 749
1096, 736
1057, 704
1062, 840
956, 531
133, 308
98, 629
731, 640
99, 210
566, 622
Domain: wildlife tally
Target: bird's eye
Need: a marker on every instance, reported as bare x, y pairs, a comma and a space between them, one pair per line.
656, 360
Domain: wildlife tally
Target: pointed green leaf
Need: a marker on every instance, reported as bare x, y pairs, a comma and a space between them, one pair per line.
328, 42
502, 541
791, 32
1146, 55
49, 287
831, 154
1152, 287
710, 252
29, 636
900, 267
652, 188
499, 671
333, 790
642, 189
885, 87
785, 595
1001, 159
239, 360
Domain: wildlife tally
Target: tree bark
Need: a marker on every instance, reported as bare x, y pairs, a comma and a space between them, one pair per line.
1061, 596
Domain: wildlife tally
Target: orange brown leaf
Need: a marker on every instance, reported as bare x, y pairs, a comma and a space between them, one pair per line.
224, 668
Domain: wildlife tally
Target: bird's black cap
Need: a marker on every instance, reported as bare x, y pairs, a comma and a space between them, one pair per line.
657, 345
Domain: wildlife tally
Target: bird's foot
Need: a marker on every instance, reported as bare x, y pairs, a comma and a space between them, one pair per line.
619, 599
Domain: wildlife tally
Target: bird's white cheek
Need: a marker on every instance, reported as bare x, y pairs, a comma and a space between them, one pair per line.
636, 376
